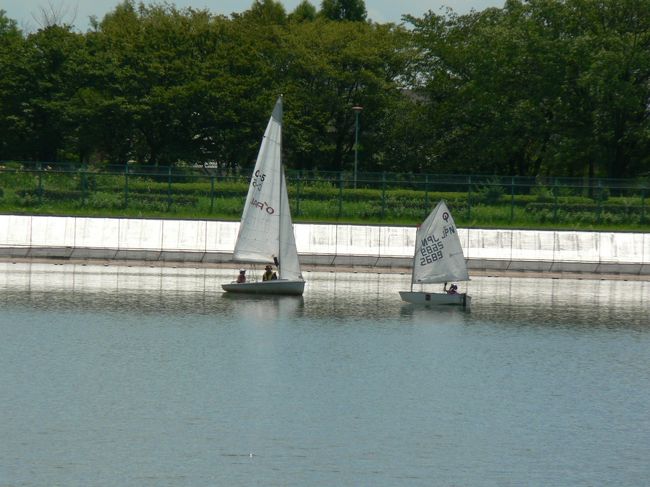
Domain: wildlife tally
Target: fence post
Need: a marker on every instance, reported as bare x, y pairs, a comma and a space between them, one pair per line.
383, 195
512, 199
298, 181
39, 191
469, 198
426, 195
599, 207
554, 200
211, 193
340, 194
126, 185
169, 188
84, 184
643, 206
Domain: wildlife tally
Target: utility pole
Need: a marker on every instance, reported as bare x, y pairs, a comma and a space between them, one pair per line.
357, 109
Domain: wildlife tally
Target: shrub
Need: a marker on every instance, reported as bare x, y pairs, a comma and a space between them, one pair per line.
542, 193
491, 192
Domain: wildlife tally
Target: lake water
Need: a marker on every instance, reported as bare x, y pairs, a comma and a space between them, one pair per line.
143, 376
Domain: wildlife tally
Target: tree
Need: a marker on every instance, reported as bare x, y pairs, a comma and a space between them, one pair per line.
53, 15
152, 70
610, 81
542, 87
352, 10
333, 66
11, 47
47, 84
304, 12
266, 11
538, 87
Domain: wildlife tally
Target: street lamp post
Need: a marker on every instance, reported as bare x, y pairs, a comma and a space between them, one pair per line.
357, 109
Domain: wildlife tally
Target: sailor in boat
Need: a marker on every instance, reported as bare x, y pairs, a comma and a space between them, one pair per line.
453, 289
269, 275
241, 278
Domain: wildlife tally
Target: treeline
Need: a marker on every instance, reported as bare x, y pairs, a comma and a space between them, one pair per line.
536, 88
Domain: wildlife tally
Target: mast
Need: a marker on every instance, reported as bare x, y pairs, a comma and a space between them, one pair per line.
282, 183
279, 262
415, 253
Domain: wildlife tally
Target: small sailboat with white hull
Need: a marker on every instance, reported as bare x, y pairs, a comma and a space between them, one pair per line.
266, 230
438, 259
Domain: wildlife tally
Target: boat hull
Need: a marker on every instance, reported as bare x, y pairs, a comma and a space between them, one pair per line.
278, 287
436, 299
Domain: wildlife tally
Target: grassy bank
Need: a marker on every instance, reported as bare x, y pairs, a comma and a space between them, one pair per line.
489, 204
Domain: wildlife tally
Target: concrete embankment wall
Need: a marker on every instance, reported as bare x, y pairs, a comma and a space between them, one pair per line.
204, 241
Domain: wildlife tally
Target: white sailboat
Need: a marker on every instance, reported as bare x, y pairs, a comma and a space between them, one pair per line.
266, 231
438, 259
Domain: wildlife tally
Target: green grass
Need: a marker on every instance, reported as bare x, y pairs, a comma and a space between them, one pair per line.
110, 195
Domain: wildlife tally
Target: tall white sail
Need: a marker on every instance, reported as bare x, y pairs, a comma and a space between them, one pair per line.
289, 265
438, 252
266, 231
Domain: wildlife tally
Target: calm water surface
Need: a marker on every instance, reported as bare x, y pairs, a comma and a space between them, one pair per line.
137, 376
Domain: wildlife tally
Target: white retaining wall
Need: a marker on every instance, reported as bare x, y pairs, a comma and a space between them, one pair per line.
331, 244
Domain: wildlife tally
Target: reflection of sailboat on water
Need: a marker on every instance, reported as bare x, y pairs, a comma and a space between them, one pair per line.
438, 259
265, 307
266, 231
411, 313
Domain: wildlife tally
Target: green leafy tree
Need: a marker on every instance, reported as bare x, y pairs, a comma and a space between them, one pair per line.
151, 67
47, 86
11, 120
333, 66
266, 11
608, 81
352, 10
304, 12
542, 87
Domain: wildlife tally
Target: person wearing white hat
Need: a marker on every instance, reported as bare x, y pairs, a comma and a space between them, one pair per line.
242, 276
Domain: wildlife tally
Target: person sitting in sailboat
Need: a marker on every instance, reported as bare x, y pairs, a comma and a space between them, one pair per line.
453, 289
242, 276
269, 275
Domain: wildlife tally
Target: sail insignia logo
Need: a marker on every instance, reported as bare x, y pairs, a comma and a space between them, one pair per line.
263, 206
258, 180
448, 230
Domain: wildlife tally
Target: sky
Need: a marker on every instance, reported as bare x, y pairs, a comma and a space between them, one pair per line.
77, 12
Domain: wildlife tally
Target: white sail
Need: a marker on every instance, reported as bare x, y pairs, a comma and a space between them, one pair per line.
438, 252
266, 230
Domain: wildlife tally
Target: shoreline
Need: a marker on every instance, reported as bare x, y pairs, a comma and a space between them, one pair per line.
360, 269
322, 247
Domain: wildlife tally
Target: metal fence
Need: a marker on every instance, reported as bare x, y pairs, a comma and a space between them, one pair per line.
203, 191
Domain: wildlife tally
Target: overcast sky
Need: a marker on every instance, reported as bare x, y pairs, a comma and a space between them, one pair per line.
78, 11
